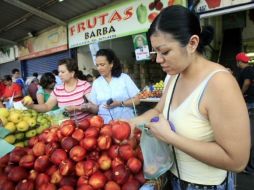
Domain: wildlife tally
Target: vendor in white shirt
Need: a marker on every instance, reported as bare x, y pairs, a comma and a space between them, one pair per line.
115, 85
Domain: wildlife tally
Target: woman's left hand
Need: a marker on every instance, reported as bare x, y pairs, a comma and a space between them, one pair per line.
161, 129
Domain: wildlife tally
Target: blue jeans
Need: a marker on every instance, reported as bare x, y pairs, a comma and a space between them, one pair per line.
231, 178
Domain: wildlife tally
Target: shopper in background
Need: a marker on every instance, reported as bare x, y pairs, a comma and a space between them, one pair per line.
73, 94
2, 87
47, 84
212, 134
90, 79
246, 78
58, 80
113, 85
32, 89
16, 77
12, 89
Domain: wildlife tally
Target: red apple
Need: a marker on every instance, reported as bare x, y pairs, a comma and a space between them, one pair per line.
8, 185
66, 167
25, 185
41, 179
17, 154
89, 143
32, 141
56, 177
4, 160
84, 124
106, 130
32, 175
8, 168
17, 173
58, 156
108, 174
91, 132
39, 149
51, 137
104, 142
96, 121
51, 170
68, 122
66, 187
121, 130
68, 181
78, 134
132, 184
47, 186
27, 161
134, 165
86, 168
120, 174
68, 142
113, 151
82, 180
104, 162
77, 153
42, 163
97, 180
111, 185
3, 178
140, 177
85, 187
50, 147
116, 162
126, 151
67, 129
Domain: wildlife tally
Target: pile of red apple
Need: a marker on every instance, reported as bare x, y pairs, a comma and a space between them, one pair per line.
89, 156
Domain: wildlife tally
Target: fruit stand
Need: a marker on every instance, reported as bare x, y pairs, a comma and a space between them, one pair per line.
85, 155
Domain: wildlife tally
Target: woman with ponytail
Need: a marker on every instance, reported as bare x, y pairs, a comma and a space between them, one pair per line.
203, 102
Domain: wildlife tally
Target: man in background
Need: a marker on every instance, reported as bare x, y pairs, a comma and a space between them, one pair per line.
16, 77
58, 80
246, 82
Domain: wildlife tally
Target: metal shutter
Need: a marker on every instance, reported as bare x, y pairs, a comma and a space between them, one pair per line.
43, 64
6, 68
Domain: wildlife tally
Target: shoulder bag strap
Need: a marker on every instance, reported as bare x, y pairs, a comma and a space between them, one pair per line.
173, 148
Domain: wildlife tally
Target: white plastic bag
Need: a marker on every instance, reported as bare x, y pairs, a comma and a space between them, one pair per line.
158, 157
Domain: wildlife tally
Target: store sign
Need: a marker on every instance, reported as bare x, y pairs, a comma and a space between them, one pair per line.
49, 42
123, 19
141, 47
208, 5
7, 55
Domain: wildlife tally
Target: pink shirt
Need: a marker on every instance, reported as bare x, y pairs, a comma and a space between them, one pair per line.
73, 98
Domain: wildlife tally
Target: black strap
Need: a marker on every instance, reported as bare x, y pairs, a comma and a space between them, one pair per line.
173, 148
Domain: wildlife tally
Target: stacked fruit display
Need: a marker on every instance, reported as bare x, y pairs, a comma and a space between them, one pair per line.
89, 156
154, 91
23, 124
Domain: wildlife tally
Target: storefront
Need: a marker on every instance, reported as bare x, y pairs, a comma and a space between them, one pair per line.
233, 22
41, 54
117, 26
8, 61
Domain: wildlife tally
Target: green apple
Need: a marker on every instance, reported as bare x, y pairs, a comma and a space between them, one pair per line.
31, 121
19, 136
4, 112
31, 133
22, 126
10, 126
10, 139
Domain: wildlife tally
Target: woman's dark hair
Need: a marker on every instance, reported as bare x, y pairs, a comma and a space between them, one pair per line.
112, 58
47, 79
181, 23
7, 78
70, 64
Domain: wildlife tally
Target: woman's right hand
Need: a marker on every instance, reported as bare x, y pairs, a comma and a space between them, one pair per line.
27, 104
